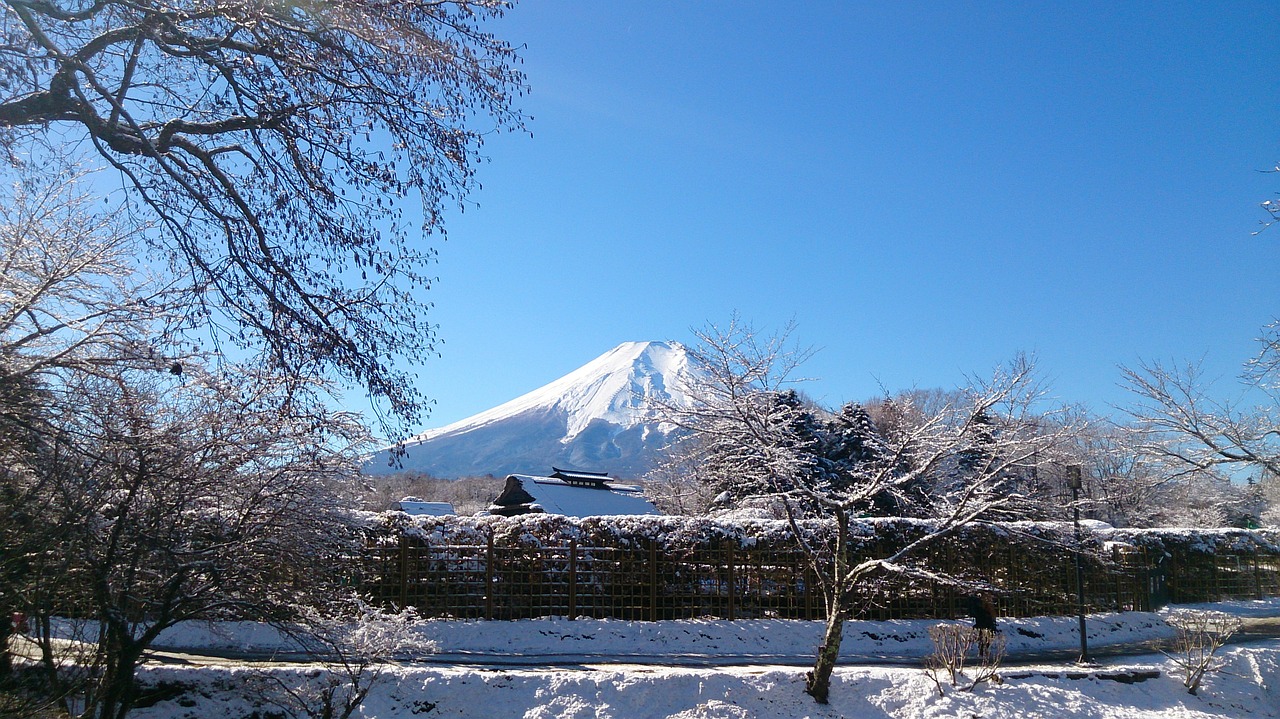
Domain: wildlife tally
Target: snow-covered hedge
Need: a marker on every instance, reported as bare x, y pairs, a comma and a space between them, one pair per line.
673, 533
1174, 541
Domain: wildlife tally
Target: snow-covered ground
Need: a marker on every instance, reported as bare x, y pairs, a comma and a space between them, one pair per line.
560, 640
1247, 686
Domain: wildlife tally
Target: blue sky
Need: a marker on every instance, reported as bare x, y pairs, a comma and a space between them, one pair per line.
926, 188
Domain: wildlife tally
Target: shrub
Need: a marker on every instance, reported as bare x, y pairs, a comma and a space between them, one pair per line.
952, 645
1200, 635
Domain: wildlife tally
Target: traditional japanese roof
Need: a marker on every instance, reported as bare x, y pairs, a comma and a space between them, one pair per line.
596, 480
572, 494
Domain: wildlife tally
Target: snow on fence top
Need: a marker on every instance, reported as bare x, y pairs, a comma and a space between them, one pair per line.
1203, 541
673, 532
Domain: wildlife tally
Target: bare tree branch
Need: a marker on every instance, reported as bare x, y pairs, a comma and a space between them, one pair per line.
279, 148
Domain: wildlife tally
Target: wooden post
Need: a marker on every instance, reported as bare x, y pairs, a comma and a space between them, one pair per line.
732, 583
488, 579
1121, 575
573, 578
808, 576
404, 572
653, 580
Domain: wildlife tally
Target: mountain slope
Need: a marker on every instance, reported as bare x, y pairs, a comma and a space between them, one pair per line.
599, 417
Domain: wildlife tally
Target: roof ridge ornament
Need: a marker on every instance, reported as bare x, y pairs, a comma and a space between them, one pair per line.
580, 479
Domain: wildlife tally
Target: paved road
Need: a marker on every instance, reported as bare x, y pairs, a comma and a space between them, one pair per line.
1255, 629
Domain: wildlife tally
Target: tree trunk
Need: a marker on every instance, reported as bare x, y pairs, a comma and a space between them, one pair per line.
6, 630
818, 681
117, 688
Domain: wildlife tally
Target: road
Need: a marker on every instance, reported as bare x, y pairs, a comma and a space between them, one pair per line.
1255, 629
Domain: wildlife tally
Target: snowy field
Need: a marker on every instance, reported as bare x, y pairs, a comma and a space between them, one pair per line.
577, 684
1248, 686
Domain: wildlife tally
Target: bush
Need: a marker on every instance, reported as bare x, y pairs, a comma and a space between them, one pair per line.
1200, 635
952, 645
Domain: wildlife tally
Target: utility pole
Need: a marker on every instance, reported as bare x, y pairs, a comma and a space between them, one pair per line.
1074, 481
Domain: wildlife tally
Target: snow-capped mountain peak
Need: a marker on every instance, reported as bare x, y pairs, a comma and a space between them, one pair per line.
603, 415
617, 386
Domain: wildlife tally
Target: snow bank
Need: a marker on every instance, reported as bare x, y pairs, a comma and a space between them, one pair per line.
1249, 686
774, 640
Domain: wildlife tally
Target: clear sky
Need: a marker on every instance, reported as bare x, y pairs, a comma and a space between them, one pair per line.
926, 188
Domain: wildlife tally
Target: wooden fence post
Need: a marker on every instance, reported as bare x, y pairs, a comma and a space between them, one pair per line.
809, 577
573, 578
653, 580
404, 572
488, 578
732, 583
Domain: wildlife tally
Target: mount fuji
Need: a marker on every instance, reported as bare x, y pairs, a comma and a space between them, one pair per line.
601, 417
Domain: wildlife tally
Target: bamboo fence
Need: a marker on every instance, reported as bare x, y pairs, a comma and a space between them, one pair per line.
647, 581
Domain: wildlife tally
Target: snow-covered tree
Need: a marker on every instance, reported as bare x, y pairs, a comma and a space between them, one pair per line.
743, 413
966, 451
203, 496
139, 489
852, 439
1122, 487
73, 296
676, 483
352, 641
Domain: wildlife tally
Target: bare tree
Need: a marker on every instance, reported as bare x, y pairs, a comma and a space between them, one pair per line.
1122, 486
139, 489
1199, 440
72, 296
274, 146
677, 485
353, 641
955, 464
1192, 432
71, 304
741, 436
952, 644
198, 497
1200, 635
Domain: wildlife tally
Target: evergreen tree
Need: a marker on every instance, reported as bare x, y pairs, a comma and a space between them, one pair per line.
982, 438
853, 436
852, 445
